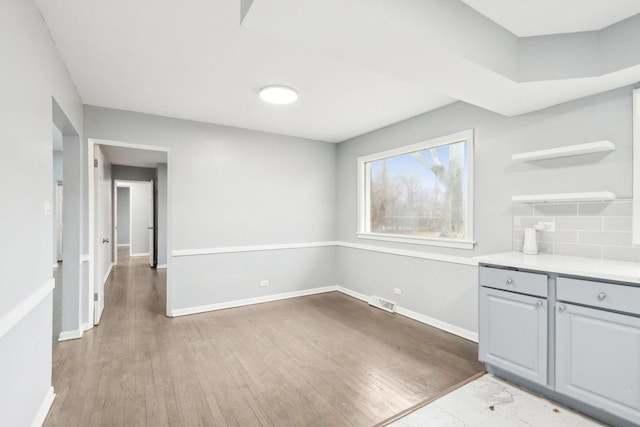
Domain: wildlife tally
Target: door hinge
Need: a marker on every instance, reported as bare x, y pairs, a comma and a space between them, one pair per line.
95, 163
95, 296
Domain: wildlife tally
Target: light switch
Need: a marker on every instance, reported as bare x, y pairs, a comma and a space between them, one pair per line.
47, 208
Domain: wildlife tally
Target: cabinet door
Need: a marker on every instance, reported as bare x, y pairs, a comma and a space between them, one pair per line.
598, 359
513, 333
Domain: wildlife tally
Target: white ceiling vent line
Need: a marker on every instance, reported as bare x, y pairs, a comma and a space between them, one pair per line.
383, 304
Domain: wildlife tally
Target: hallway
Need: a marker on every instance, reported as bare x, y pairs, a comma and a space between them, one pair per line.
326, 359
98, 379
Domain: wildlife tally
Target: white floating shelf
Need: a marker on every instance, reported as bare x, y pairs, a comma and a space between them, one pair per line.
595, 196
569, 150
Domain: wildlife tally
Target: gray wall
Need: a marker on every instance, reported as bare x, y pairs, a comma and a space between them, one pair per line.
131, 173
32, 74
139, 199
497, 178
232, 187
124, 218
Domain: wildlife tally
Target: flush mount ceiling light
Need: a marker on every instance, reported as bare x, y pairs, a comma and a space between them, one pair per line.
278, 94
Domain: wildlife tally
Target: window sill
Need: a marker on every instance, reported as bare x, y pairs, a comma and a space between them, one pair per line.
457, 244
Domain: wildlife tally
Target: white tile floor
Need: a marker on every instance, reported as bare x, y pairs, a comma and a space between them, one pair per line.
489, 401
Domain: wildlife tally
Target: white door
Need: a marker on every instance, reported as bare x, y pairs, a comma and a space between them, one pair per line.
100, 238
152, 226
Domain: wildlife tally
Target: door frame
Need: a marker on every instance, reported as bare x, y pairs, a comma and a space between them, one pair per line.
59, 222
91, 142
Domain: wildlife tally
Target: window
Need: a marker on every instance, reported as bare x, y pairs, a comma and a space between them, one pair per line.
422, 193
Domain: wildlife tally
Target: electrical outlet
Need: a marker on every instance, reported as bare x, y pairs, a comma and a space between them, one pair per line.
397, 291
264, 283
548, 227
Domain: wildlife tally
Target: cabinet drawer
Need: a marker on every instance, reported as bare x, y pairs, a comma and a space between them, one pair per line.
607, 296
515, 281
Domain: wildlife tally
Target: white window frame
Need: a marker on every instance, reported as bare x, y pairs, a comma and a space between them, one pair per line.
364, 192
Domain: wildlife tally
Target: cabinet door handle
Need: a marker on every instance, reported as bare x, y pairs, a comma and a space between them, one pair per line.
562, 308
538, 303
601, 296
509, 280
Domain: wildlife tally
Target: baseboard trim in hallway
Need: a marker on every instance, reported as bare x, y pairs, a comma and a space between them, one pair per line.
43, 411
70, 335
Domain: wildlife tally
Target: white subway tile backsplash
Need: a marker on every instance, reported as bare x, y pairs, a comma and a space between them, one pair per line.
568, 249
522, 209
617, 223
556, 209
621, 253
617, 208
543, 247
560, 236
609, 238
518, 234
585, 229
579, 223
530, 221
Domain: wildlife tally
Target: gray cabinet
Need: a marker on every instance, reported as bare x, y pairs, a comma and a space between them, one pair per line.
513, 333
598, 358
574, 339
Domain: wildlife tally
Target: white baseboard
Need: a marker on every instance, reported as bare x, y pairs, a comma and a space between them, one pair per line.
140, 254
86, 326
447, 327
70, 335
250, 301
124, 245
43, 411
106, 275
161, 266
354, 294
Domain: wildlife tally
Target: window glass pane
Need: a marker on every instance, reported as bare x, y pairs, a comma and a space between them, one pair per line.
421, 194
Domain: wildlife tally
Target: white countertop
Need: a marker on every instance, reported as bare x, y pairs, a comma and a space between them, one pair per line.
620, 271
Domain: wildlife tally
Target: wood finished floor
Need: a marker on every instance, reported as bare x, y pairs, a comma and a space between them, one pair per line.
325, 360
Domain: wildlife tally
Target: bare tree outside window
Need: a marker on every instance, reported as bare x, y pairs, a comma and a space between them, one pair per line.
421, 194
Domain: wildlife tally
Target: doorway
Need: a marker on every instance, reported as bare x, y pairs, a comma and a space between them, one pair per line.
144, 171
57, 176
135, 224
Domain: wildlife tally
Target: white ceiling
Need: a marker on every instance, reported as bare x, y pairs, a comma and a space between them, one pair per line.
133, 156
357, 65
540, 17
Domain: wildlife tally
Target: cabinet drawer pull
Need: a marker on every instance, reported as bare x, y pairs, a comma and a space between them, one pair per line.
509, 280
601, 296
538, 303
562, 308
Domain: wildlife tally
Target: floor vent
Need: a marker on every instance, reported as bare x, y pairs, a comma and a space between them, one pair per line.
383, 304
